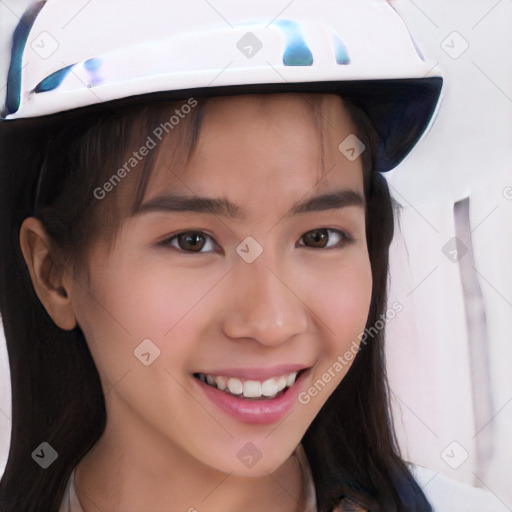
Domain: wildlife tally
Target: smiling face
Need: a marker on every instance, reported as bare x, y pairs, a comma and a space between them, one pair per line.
257, 286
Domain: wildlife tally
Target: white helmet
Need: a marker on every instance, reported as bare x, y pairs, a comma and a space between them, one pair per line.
68, 55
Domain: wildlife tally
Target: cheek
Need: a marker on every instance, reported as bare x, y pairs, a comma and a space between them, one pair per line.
145, 300
342, 301
341, 308
129, 302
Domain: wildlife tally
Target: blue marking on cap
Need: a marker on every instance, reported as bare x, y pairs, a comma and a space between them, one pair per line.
92, 64
296, 52
340, 50
19, 41
53, 81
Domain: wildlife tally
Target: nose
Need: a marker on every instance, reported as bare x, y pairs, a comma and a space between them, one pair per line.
264, 305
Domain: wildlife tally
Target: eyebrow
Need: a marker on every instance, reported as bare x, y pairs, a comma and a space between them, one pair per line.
225, 208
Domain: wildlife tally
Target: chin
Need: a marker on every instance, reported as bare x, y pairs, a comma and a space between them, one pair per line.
252, 457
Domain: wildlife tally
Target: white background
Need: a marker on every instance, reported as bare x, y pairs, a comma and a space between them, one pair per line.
466, 154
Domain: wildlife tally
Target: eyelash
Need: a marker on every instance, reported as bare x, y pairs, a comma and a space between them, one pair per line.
344, 239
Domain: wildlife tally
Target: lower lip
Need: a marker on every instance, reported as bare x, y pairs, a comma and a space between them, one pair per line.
258, 412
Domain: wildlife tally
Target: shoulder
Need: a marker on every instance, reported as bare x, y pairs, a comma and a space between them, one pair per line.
447, 495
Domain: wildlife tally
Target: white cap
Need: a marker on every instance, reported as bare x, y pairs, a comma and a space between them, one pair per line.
68, 55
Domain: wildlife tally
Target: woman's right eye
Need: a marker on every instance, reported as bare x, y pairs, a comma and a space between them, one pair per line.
190, 241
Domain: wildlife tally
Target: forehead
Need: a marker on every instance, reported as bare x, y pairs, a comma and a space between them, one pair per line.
277, 141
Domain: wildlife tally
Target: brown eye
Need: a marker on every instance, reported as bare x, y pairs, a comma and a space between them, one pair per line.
325, 238
316, 238
191, 241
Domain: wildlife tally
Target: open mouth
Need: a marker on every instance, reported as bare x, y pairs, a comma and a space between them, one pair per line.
251, 389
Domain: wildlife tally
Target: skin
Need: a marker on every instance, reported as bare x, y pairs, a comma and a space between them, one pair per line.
165, 443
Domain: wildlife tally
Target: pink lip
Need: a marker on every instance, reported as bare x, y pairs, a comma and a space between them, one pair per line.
257, 412
260, 374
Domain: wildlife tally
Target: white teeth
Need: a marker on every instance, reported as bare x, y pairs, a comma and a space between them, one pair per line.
281, 383
269, 388
221, 383
290, 380
235, 386
252, 389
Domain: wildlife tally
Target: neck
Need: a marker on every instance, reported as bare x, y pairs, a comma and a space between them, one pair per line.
134, 468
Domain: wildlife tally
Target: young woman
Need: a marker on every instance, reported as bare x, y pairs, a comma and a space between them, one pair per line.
195, 243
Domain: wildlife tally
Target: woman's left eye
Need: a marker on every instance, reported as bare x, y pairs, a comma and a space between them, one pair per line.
325, 238
190, 241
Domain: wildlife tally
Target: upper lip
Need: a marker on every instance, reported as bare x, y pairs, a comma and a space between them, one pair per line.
260, 374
